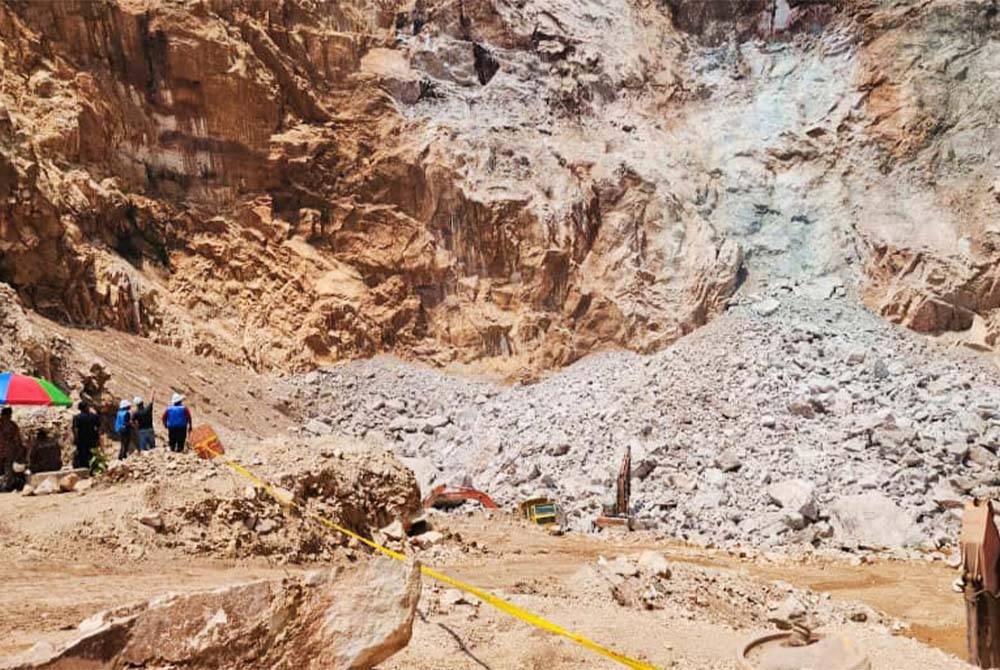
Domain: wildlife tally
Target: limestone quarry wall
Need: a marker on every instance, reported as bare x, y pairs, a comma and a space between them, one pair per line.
281, 182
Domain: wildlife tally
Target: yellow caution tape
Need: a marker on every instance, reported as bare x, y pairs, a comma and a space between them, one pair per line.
485, 596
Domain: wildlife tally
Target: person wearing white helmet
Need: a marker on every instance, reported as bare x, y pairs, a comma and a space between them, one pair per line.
142, 413
124, 428
177, 419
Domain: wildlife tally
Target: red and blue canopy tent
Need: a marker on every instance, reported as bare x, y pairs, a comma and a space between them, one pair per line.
24, 390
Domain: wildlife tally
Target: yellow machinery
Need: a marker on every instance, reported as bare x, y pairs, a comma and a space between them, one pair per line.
543, 511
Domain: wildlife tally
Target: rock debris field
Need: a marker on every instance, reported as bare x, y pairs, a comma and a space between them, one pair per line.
782, 422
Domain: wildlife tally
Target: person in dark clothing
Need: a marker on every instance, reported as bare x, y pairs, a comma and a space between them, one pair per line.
45, 454
125, 428
177, 419
12, 456
142, 413
86, 435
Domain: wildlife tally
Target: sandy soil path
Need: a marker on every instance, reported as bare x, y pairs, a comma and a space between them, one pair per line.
45, 597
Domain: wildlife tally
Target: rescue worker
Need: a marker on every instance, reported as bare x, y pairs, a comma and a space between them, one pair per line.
12, 454
86, 435
124, 427
142, 413
177, 419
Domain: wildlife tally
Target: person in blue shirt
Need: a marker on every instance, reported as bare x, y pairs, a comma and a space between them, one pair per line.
177, 419
125, 428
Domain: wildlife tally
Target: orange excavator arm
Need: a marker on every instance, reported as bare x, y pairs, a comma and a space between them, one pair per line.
619, 513
458, 495
624, 484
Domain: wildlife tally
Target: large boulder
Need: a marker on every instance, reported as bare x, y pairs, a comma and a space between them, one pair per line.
872, 520
344, 620
425, 471
795, 495
36, 479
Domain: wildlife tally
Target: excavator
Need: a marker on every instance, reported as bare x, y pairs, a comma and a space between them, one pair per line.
617, 515
539, 510
448, 497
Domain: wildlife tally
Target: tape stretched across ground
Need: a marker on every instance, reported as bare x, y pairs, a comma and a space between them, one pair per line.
485, 596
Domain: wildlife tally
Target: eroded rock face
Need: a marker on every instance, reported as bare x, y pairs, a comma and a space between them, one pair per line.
715, 22
340, 620
283, 183
25, 347
240, 163
932, 253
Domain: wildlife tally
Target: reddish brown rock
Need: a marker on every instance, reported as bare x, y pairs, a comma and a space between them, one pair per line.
934, 293
344, 619
281, 184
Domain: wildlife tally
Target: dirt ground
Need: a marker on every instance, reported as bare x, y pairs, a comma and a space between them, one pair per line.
50, 587
541, 570
46, 596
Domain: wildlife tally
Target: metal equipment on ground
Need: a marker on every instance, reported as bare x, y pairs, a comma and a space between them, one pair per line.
448, 497
618, 514
980, 582
781, 651
542, 511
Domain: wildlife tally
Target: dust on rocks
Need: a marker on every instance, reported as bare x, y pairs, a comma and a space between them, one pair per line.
178, 503
648, 581
762, 428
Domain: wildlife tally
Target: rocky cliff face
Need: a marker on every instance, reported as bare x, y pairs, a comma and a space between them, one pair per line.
280, 183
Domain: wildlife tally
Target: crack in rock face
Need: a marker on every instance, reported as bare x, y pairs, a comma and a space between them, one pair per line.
486, 63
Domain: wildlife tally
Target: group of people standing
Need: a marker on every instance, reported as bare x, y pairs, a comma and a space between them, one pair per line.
133, 429
134, 425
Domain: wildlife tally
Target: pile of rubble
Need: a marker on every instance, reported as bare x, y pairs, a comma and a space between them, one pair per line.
178, 502
787, 420
649, 581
